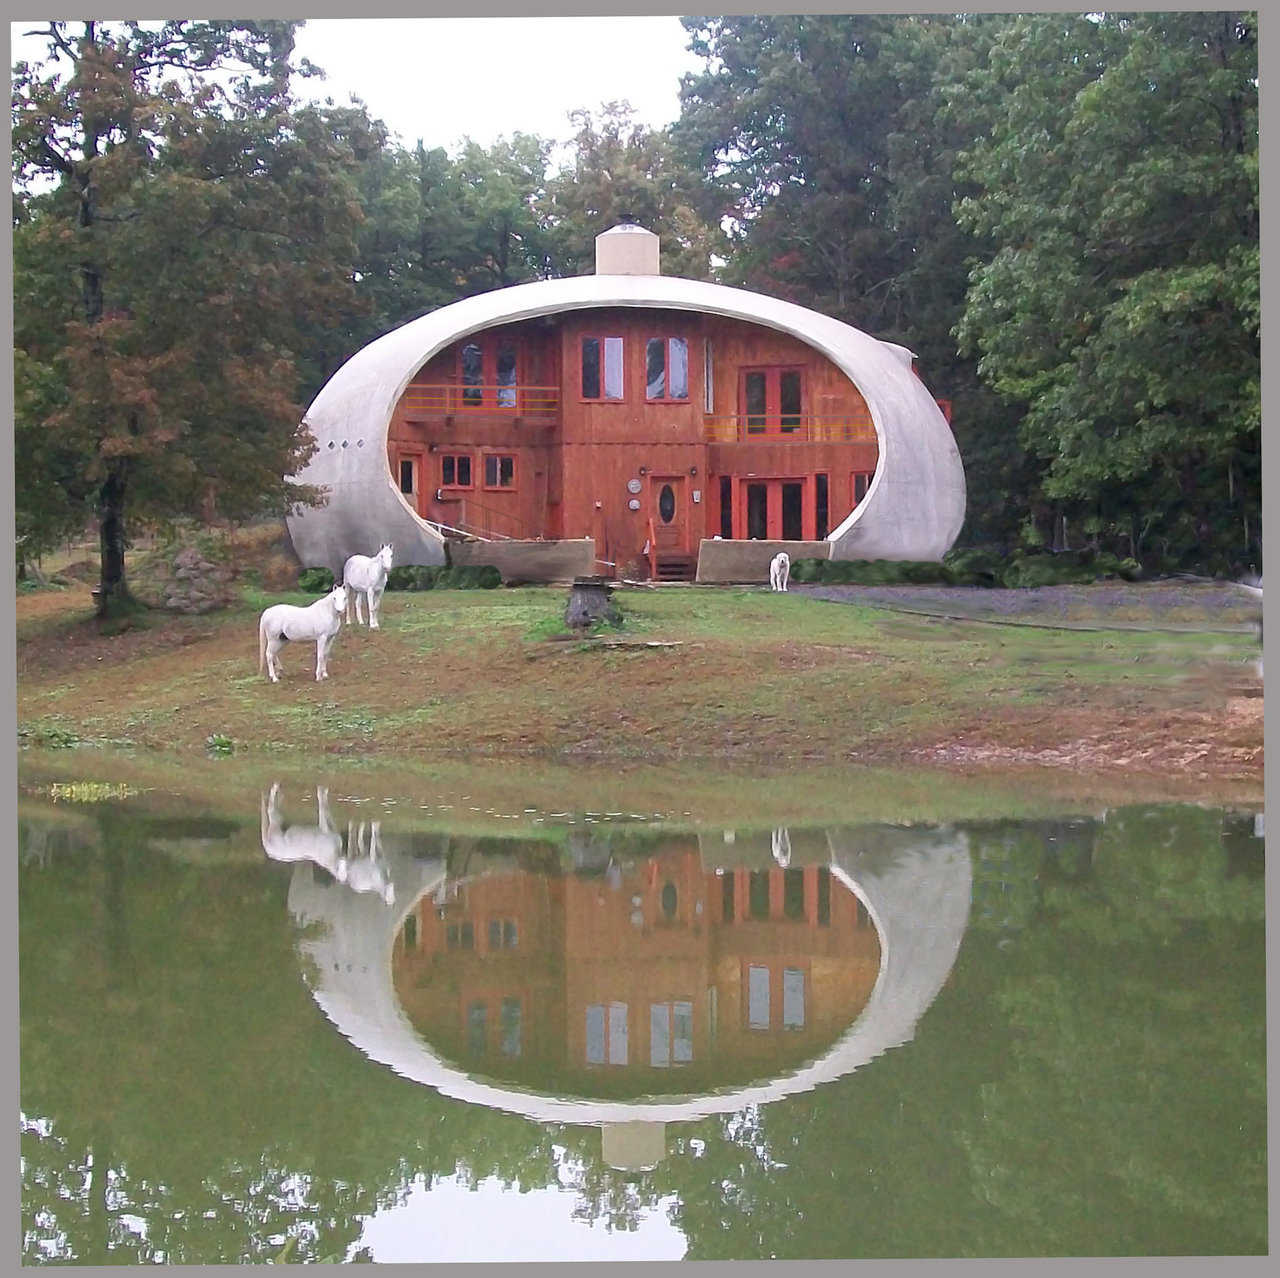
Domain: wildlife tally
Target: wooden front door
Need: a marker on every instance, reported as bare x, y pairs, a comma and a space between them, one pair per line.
669, 512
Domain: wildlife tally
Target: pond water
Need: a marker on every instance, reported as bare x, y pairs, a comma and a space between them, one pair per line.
321, 1025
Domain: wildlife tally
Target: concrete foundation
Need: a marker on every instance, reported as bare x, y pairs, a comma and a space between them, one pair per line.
748, 561
520, 561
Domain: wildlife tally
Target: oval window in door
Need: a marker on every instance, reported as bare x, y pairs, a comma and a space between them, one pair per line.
667, 503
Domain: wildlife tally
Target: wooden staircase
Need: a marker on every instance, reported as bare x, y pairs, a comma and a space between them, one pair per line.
675, 567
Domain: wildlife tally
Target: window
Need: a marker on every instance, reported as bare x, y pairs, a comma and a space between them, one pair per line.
792, 998
488, 372
408, 476
772, 399
509, 1025
477, 1028
861, 482
726, 507
666, 369
821, 506
606, 1033
793, 893
708, 381
758, 894
757, 997
460, 938
727, 902
602, 368
824, 896
410, 933
670, 1034
502, 934
455, 470
499, 470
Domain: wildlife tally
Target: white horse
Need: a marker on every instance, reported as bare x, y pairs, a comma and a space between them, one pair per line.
366, 869
321, 844
780, 571
366, 576
282, 622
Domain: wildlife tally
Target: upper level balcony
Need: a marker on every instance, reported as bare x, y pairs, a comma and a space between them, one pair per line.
538, 404
790, 428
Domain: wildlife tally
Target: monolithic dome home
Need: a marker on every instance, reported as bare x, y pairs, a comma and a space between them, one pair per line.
629, 423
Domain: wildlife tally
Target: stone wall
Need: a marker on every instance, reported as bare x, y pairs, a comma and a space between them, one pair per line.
748, 561
520, 561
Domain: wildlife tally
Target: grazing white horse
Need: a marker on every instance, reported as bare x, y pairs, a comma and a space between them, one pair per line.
366, 576
780, 571
282, 622
321, 844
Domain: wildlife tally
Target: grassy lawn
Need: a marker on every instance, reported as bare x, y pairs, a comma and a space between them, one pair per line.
746, 676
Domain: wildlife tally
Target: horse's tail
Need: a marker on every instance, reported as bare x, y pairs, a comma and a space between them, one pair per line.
262, 643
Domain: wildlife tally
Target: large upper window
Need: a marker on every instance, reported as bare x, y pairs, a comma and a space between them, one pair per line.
488, 371
602, 368
666, 368
772, 399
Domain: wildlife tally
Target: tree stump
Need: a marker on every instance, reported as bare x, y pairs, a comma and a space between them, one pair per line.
590, 601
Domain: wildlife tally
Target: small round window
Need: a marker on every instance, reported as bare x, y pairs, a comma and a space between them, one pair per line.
667, 503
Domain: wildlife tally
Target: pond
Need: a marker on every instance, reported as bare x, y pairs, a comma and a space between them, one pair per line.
323, 1022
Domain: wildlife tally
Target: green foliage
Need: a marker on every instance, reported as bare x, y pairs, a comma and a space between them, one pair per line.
219, 744
866, 572
1118, 188
438, 577
316, 581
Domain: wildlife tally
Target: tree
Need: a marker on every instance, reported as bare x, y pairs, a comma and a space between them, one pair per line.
177, 222
1119, 190
619, 169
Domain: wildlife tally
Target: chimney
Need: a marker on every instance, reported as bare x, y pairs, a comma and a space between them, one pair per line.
627, 249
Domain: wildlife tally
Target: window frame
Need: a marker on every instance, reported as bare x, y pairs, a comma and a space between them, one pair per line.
455, 457
666, 397
601, 364
499, 487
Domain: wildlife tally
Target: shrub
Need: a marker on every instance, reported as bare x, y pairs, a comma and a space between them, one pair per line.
316, 581
974, 567
463, 577
866, 572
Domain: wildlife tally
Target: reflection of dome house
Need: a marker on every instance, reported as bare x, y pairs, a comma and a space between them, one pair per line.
579, 421
913, 884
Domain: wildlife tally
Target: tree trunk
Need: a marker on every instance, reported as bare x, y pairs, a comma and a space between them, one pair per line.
113, 591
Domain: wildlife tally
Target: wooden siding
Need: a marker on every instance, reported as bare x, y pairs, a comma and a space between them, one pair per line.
572, 465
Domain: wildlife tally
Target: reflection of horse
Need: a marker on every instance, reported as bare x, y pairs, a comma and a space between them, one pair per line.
320, 621
366, 575
368, 871
781, 846
320, 843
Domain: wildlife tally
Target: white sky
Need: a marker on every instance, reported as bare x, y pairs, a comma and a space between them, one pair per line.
450, 1222
439, 79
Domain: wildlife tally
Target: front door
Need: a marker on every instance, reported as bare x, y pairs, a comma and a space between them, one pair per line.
669, 513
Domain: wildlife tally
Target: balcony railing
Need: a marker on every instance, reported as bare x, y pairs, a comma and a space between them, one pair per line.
519, 401
799, 428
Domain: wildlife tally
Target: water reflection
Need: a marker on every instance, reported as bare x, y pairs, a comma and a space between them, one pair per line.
628, 979
1062, 983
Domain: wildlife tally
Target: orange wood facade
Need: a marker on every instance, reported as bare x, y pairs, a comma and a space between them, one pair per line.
751, 433
611, 985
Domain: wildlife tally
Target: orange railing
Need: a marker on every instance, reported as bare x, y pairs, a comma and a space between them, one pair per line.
743, 428
652, 547
520, 401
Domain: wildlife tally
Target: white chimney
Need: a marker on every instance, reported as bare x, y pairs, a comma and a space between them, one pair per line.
627, 249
